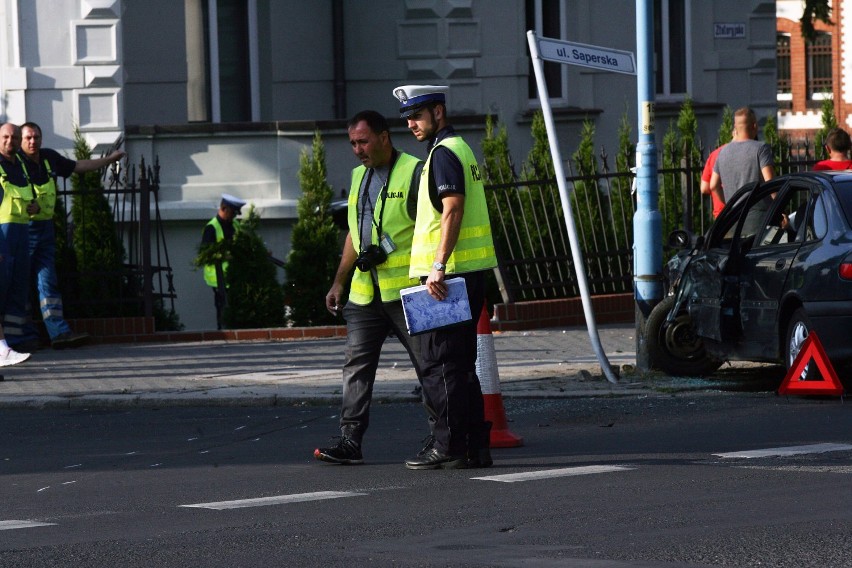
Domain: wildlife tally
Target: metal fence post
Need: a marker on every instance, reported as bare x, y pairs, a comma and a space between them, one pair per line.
145, 240
686, 187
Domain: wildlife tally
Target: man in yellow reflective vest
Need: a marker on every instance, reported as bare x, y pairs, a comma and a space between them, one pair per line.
44, 166
376, 254
222, 227
452, 237
15, 208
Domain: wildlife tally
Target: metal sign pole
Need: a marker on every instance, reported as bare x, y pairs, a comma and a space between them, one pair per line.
647, 220
566, 209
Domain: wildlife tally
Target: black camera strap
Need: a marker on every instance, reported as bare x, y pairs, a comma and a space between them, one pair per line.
365, 202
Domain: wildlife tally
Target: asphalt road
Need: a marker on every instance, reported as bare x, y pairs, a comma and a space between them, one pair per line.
636, 481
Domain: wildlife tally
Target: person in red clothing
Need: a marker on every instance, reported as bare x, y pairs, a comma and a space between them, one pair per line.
838, 145
706, 174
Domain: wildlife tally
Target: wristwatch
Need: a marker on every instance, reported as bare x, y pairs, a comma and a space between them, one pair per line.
439, 266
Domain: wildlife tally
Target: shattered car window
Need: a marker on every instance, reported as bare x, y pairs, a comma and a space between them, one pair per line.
784, 225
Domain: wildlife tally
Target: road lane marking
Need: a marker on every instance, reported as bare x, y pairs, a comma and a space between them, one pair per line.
550, 473
842, 469
275, 500
788, 451
11, 525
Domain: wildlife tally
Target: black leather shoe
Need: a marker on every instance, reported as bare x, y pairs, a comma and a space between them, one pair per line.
428, 444
433, 458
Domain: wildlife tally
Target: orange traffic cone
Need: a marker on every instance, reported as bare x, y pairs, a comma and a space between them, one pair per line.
489, 380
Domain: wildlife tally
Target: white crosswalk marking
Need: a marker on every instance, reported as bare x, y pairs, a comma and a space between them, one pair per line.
550, 473
10, 525
788, 451
276, 500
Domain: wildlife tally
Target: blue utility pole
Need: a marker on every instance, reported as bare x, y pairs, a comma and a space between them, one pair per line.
647, 223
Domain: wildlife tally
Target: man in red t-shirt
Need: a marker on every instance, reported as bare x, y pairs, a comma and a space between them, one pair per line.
706, 174
838, 145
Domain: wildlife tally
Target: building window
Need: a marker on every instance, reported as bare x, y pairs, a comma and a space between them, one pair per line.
672, 46
547, 18
785, 82
819, 69
222, 60
231, 26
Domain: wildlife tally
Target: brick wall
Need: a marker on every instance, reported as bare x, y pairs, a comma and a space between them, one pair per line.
611, 308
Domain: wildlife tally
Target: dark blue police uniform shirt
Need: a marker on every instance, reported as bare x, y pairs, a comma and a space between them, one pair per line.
61, 166
446, 173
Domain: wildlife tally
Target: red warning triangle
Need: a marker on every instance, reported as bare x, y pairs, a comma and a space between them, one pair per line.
811, 350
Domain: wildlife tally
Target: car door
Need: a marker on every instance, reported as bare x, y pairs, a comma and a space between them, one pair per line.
765, 267
713, 278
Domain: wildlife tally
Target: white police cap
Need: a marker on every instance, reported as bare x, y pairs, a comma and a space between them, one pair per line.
414, 97
234, 202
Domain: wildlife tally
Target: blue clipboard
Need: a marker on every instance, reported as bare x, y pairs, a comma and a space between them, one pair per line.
424, 313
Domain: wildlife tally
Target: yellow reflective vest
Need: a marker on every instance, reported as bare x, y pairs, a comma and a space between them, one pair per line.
391, 208
13, 208
210, 269
45, 195
474, 249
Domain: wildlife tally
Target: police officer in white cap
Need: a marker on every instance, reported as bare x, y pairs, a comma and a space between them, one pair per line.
452, 237
219, 228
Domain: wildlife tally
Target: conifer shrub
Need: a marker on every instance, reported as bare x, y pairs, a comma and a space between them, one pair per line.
621, 188
780, 144
497, 169
101, 279
828, 119
314, 253
726, 129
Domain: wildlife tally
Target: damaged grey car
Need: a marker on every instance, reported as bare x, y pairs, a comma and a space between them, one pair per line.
774, 267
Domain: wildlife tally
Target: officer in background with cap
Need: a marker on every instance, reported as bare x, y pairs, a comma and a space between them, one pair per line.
219, 228
452, 236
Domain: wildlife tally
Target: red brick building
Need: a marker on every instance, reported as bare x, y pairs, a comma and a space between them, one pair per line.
810, 72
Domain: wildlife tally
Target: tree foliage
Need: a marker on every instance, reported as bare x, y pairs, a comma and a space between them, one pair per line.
814, 10
726, 129
681, 174
496, 160
620, 189
255, 298
585, 198
828, 119
314, 253
539, 163
98, 251
780, 144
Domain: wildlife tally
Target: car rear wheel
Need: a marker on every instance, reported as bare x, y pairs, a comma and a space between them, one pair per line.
797, 331
673, 346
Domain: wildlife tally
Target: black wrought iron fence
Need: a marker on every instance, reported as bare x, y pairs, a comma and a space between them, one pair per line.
141, 282
532, 241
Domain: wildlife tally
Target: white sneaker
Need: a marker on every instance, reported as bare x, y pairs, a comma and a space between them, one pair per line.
12, 357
